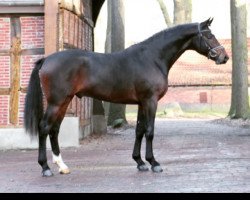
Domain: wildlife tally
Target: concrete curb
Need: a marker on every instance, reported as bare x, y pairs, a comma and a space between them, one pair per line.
11, 138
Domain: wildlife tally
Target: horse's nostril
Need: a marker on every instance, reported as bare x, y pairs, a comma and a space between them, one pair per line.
226, 58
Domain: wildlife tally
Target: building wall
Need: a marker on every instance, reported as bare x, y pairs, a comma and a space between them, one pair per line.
196, 99
32, 37
4, 69
74, 30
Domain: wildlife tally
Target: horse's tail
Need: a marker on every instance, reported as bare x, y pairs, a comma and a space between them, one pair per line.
33, 111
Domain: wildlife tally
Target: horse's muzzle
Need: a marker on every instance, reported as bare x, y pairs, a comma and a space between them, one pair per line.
222, 59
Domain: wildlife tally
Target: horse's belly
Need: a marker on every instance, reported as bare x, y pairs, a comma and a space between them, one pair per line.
124, 97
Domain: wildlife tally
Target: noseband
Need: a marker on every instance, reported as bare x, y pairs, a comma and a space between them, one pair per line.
212, 52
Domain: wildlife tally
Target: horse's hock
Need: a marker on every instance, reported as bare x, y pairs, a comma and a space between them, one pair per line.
30, 31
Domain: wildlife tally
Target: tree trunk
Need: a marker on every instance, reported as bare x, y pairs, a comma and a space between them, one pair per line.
189, 11
182, 11
240, 97
165, 13
99, 120
116, 42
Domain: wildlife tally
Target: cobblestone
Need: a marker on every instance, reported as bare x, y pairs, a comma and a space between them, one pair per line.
197, 156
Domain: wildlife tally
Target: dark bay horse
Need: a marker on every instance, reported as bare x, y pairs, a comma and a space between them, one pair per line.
137, 75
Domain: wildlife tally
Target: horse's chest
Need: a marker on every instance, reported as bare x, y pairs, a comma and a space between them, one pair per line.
163, 92
162, 89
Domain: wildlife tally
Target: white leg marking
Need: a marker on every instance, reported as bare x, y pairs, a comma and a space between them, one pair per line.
63, 169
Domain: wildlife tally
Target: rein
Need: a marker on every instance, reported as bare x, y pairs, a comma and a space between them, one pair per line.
212, 52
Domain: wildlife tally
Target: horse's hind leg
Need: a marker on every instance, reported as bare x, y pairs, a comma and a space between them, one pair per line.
57, 158
50, 125
42, 156
45, 128
140, 131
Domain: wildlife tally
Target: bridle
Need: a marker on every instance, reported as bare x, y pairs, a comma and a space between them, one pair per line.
212, 52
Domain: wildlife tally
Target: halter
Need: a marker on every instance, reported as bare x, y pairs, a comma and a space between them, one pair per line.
212, 52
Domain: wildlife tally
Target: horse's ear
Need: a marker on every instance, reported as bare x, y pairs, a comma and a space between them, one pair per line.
207, 23
210, 21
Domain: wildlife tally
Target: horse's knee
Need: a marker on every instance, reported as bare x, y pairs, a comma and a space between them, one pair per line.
150, 135
140, 131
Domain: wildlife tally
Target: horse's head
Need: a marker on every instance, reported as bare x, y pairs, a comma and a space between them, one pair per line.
206, 44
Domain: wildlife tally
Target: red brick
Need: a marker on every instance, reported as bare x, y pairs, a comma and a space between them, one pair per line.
32, 32
194, 69
191, 95
21, 108
5, 33
27, 64
5, 71
4, 108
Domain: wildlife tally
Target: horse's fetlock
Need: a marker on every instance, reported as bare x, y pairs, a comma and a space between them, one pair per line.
150, 159
42, 162
136, 157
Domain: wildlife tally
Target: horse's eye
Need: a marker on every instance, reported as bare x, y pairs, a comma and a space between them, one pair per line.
210, 36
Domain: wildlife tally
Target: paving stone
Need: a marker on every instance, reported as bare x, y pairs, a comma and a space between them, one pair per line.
197, 156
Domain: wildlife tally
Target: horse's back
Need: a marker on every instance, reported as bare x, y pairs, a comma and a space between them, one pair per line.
119, 77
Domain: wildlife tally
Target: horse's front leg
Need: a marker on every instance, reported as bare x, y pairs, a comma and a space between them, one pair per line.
150, 108
140, 131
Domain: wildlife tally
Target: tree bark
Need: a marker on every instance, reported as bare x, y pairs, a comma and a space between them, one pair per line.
240, 96
189, 11
182, 11
165, 13
116, 42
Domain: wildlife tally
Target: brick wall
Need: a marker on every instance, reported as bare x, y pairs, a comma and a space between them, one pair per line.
32, 32
27, 64
74, 32
194, 69
78, 33
4, 110
4, 33
198, 95
4, 72
4, 69
4, 45
32, 37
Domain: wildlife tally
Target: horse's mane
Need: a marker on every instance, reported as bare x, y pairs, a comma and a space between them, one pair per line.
174, 31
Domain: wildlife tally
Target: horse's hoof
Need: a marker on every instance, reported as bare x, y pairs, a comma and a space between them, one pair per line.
64, 171
143, 168
157, 169
47, 173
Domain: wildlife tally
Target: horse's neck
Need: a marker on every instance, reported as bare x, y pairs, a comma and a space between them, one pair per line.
174, 43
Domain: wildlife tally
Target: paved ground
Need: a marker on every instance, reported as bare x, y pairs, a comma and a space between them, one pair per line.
196, 155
